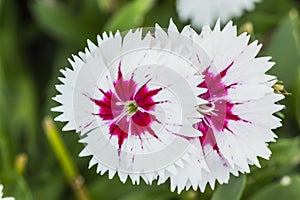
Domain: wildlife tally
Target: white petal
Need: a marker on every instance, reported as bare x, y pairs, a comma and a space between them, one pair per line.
202, 12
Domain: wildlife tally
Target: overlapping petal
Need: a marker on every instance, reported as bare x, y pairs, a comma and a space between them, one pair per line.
202, 12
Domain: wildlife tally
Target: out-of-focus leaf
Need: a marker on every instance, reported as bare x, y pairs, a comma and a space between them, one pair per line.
265, 16
19, 112
231, 191
107, 5
129, 16
53, 185
284, 48
25, 104
161, 14
279, 191
60, 22
296, 93
2, 88
286, 38
5, 150
22, 190
19, 92
1, 2
285, 151
149, 194
104, 4
285, 157
136, 196
285, 154
102, 189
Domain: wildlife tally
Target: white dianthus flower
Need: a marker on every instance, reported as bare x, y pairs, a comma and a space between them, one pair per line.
202, 12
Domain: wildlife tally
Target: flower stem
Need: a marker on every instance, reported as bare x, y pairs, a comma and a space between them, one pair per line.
63, 156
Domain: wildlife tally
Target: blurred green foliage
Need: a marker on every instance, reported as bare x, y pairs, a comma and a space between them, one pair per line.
36, 37
233, 190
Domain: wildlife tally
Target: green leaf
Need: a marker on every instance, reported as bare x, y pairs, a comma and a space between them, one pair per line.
162, 13
286, 37
22, 190
231, 191
285, 158
107, 5
102, 189
54, 188
146, 194
284, 48
296, 98
58, 20
285, 151
265, 16
279, 191
1, 3
18, 94
131, 15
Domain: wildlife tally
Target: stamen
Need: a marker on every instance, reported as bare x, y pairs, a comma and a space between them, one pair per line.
207, 108
119, 117
131, 107
206, 122
120, 103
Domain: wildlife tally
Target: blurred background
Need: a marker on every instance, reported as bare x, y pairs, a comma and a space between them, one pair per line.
37, 37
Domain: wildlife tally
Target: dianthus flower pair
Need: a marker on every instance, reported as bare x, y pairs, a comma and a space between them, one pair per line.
168, 104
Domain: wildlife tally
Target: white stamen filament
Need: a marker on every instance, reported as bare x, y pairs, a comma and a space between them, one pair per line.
120, 116
121, 103
208, 108
126, 112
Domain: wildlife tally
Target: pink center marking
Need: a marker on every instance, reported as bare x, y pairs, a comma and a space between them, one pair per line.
127, 108
221, 109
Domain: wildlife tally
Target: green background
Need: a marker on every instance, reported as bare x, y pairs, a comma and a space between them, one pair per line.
37, 37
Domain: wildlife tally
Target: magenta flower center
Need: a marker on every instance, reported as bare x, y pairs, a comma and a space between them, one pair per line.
218, 111
127, 108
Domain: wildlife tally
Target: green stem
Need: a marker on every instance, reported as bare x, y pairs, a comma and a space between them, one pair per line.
63, 156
